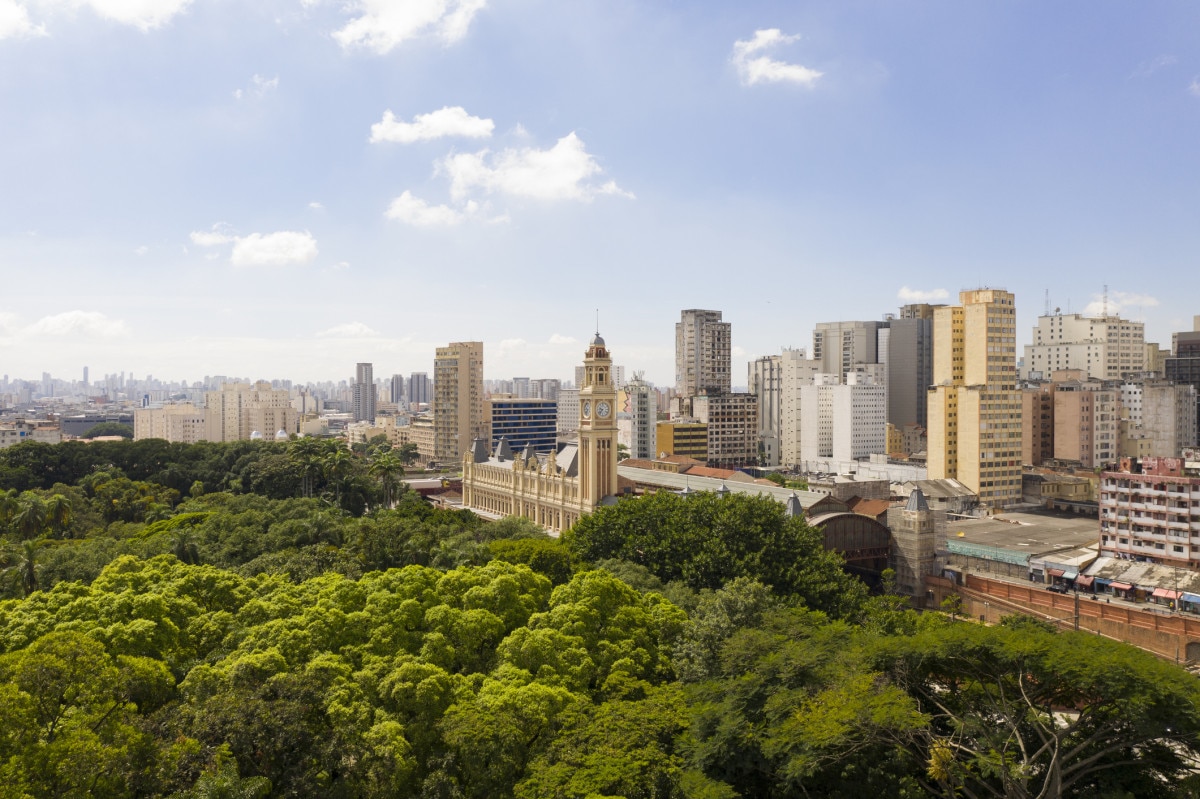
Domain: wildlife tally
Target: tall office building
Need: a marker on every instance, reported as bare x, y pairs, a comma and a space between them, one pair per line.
702, 345
974, 405
418, 388
458, 413
765, 379
523, 422
1183, 366
362, 396
643, 415
906, 346
397, 392
1104, 348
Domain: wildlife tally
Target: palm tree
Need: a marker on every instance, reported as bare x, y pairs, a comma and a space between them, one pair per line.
30, 519
338, 466
385, 467
8, 506
183, 546
59, 513
306, 453
20, 564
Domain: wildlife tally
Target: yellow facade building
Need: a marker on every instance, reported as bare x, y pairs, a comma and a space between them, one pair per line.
682, 438
974, 405
458, 412
557, 488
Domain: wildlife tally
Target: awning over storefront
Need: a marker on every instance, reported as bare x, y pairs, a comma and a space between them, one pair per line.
1070, 574
1165, 593
1193, 598
1121, 586
1055, 572
1102, 581
1083, 581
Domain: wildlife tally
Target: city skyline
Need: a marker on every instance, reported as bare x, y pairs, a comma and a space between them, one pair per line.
286, 189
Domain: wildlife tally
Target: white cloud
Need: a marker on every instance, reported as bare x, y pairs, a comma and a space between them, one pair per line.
274, 249
1119, 302
509, 344
258, 87
316, 206
1194, 86
753, 68
1148, 68
8, 323
14, 21
559, 173
384, 24
341, 266
917, 295
416, 212
144, 15
349, 330
448, 121
560, 339
141, 250
220, 234
260, 249
91, 324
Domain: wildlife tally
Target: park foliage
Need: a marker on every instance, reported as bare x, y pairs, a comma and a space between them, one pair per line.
261, 619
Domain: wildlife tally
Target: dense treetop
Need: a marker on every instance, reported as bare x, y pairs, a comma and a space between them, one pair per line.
260, 620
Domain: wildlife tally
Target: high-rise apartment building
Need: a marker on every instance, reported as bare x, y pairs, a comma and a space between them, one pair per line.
397, 392
1104, 348
239, 410
797, 371
568, 410
974, 405
418, 389
458, 413
702, 347
182, 423
643, 417
362, 396
765, 379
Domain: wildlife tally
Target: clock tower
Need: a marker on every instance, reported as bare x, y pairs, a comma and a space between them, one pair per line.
597, 427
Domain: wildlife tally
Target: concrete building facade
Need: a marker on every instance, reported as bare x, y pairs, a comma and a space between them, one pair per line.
238, 410
974, 405
643, 418
732, 421
765, 379
1103, 348
797, 371
1151, 511
702, 353
362, 397
183, 423
842, 422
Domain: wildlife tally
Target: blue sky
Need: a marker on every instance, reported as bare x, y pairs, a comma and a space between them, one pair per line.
283, 188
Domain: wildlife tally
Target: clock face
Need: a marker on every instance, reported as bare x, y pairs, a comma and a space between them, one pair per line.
587, 409
603, 409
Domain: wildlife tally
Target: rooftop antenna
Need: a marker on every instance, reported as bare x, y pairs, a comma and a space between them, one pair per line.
1047, 313
1104, 302
597, 321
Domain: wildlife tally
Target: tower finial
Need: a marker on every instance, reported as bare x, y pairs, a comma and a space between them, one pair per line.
597, 321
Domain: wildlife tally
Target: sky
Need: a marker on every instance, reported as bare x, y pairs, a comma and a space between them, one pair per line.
283, 188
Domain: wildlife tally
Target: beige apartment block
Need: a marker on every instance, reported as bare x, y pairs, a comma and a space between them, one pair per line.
797, 371
1152, 514
974, 406
1086, 420
1104, 348
458, 412
1037, 429
239, 410
182, 423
